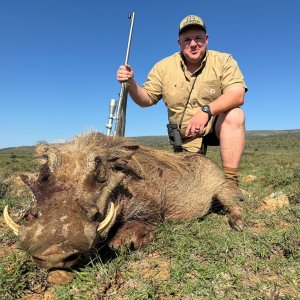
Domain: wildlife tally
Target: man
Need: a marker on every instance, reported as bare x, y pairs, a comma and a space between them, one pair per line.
203, 91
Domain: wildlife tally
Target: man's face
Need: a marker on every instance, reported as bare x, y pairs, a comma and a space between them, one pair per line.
193, 43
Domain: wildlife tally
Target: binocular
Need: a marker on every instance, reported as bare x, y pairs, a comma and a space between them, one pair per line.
174, 137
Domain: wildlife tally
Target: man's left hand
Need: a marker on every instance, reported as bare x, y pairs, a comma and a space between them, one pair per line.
196, 126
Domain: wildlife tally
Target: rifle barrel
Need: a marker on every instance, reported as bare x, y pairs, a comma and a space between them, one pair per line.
122, 104
131, 16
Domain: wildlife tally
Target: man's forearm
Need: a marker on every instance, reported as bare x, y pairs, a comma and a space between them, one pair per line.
138, 94
232, 98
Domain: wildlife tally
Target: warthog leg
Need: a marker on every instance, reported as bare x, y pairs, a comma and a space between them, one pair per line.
235, 219
227, 196
132, 235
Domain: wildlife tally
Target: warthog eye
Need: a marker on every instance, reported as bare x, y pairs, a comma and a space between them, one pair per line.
100, 170
94, 216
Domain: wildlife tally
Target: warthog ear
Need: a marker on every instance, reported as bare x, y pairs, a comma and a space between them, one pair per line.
49, 158
123, 152
96, 166
121, 159
41, 149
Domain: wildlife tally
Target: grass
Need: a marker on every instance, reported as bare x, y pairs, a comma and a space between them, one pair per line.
19, 276
200, 259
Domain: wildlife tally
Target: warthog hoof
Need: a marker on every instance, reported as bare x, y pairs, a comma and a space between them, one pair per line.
235, 219
132, 235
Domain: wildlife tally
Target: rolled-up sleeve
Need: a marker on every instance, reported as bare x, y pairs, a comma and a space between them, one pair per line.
231, 75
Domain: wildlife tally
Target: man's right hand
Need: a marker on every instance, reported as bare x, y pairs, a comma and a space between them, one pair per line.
125, 73
137, 93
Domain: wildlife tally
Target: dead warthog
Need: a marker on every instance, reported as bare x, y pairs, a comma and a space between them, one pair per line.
95, 187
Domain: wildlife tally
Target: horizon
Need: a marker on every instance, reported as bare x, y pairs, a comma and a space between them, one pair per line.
271, 133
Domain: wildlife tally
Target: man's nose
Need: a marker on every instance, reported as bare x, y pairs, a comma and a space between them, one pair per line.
193, 43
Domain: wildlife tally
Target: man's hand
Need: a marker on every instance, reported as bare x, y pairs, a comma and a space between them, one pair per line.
197, 124
137, 93
125, 73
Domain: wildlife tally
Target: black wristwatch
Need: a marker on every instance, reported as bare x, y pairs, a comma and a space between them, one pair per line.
206, 109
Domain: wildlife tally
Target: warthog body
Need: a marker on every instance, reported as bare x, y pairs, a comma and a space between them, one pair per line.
80, 182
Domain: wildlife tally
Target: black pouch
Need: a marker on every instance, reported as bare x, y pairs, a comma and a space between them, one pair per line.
174, 137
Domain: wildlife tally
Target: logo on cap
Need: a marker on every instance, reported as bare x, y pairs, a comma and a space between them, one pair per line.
191, 20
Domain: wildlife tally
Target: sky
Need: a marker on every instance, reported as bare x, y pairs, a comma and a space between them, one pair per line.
58, 62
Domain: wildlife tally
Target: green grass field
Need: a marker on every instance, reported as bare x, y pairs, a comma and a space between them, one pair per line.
199, 259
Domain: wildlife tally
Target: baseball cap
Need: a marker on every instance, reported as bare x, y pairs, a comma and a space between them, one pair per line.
191, 20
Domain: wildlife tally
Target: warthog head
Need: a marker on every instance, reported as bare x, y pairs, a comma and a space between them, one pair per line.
74, 204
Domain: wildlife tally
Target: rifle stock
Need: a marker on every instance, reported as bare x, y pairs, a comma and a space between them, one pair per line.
121, 113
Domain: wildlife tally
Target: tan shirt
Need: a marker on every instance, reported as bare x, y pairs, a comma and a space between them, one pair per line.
169, 80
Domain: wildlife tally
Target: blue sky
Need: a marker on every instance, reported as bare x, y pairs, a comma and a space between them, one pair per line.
58, 61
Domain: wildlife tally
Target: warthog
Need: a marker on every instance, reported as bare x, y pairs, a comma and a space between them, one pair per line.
96, 189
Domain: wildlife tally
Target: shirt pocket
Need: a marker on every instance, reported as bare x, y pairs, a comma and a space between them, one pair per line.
209, 90
175, 94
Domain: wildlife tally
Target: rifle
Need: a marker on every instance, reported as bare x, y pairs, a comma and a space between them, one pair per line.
119, 115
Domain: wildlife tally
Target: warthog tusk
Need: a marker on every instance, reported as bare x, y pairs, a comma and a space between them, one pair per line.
110, 216
8, 220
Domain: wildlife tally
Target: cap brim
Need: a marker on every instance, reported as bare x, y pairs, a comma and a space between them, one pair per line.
191, 25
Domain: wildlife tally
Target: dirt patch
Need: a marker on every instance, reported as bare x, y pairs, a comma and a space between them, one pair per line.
273, 202
249, 178
154, 266
133, 274
60, 277
49, 294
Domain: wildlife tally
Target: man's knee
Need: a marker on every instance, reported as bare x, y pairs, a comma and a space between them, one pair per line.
233, 118
230, 120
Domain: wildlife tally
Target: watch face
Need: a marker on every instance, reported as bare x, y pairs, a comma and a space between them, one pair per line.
206, 109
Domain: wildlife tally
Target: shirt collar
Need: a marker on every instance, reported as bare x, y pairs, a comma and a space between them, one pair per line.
184, 68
